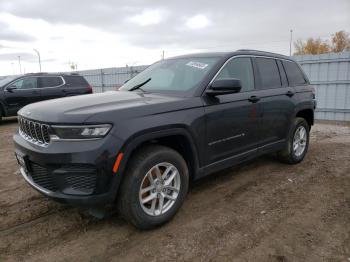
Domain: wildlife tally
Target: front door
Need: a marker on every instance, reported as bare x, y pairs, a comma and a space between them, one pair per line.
21, 92
233, 120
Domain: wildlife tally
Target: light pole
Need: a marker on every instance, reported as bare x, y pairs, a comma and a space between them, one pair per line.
290, 42
37, 52
19, 63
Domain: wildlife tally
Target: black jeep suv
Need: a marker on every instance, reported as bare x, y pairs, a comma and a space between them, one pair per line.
19, 91
179, 120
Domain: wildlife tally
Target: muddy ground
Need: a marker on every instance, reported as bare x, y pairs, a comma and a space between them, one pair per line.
260, 211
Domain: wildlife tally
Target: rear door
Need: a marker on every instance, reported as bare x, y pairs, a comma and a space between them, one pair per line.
277, 103
21, 92
232, 120
51, 87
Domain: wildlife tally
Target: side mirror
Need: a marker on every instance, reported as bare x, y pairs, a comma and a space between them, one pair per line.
11, 88
224, 86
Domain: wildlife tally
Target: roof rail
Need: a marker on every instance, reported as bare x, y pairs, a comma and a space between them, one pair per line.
37, 74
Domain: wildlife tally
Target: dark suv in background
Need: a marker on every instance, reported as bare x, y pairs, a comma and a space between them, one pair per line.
19, 91
180, 119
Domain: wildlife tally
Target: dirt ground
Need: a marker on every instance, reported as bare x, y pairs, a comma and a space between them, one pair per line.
260, 211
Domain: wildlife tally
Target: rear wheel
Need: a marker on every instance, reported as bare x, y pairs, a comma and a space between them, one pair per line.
154, 187
297, 144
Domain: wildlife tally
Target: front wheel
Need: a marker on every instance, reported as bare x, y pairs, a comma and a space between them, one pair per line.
154, 188
297, 144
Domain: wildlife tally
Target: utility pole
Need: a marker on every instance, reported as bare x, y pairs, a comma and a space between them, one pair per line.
290, 42
19, 63
37, 52
163, 55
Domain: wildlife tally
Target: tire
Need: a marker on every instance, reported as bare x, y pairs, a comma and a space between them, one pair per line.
289, 154
145, 163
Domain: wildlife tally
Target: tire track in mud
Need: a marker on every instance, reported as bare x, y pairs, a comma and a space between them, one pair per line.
220, 219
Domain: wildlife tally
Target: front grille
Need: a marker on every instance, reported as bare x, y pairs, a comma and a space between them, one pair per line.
41, 177
34, 131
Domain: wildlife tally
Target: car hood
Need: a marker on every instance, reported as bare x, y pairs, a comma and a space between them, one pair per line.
108, 106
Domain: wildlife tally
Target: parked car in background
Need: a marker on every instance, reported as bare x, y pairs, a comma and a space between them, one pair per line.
19, 91
180, 119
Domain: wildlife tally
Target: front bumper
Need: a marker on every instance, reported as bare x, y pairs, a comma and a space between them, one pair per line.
78, 173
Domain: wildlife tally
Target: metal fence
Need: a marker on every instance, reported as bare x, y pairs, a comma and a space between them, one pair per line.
107, 79
330, 74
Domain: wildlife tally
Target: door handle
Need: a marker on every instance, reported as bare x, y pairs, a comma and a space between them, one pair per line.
253, 99
290, 93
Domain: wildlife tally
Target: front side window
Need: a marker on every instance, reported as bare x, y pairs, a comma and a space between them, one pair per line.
51, 81
240, 68
25, 83
269, 74
294, 74
176, 75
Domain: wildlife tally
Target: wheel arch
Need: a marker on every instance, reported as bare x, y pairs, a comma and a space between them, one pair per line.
307, 114
178, 139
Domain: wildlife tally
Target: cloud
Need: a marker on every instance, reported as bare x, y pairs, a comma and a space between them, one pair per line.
10, 35
112, 33
146, 18
197, 22
28, 57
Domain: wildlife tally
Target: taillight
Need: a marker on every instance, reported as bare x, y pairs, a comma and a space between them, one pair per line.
90, 89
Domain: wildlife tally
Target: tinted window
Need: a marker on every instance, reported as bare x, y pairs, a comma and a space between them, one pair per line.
25, 83
75, 80
50, 81
240, 68
269, 73
294, 74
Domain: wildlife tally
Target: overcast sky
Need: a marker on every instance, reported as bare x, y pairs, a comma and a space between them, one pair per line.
107, 33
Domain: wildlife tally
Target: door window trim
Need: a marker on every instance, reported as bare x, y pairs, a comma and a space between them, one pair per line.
254, 71
40, 88
63, 82
20, 89
226, 62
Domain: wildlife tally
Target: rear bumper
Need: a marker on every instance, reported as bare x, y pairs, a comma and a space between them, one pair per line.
76, 173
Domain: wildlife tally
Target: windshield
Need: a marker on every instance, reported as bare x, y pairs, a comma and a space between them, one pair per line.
172, 75
5, 80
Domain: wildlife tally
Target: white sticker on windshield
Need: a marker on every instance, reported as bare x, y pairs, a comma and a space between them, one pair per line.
197, 65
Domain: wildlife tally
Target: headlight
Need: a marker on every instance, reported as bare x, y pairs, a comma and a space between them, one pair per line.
79, 132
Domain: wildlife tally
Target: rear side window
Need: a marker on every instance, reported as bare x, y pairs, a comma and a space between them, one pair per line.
240, 68
51, 81
75, 80
269, 74
294, 74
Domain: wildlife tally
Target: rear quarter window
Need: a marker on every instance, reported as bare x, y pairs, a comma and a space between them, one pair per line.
294, 74
75, 80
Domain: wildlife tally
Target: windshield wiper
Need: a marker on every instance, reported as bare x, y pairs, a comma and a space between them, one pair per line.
138, 86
